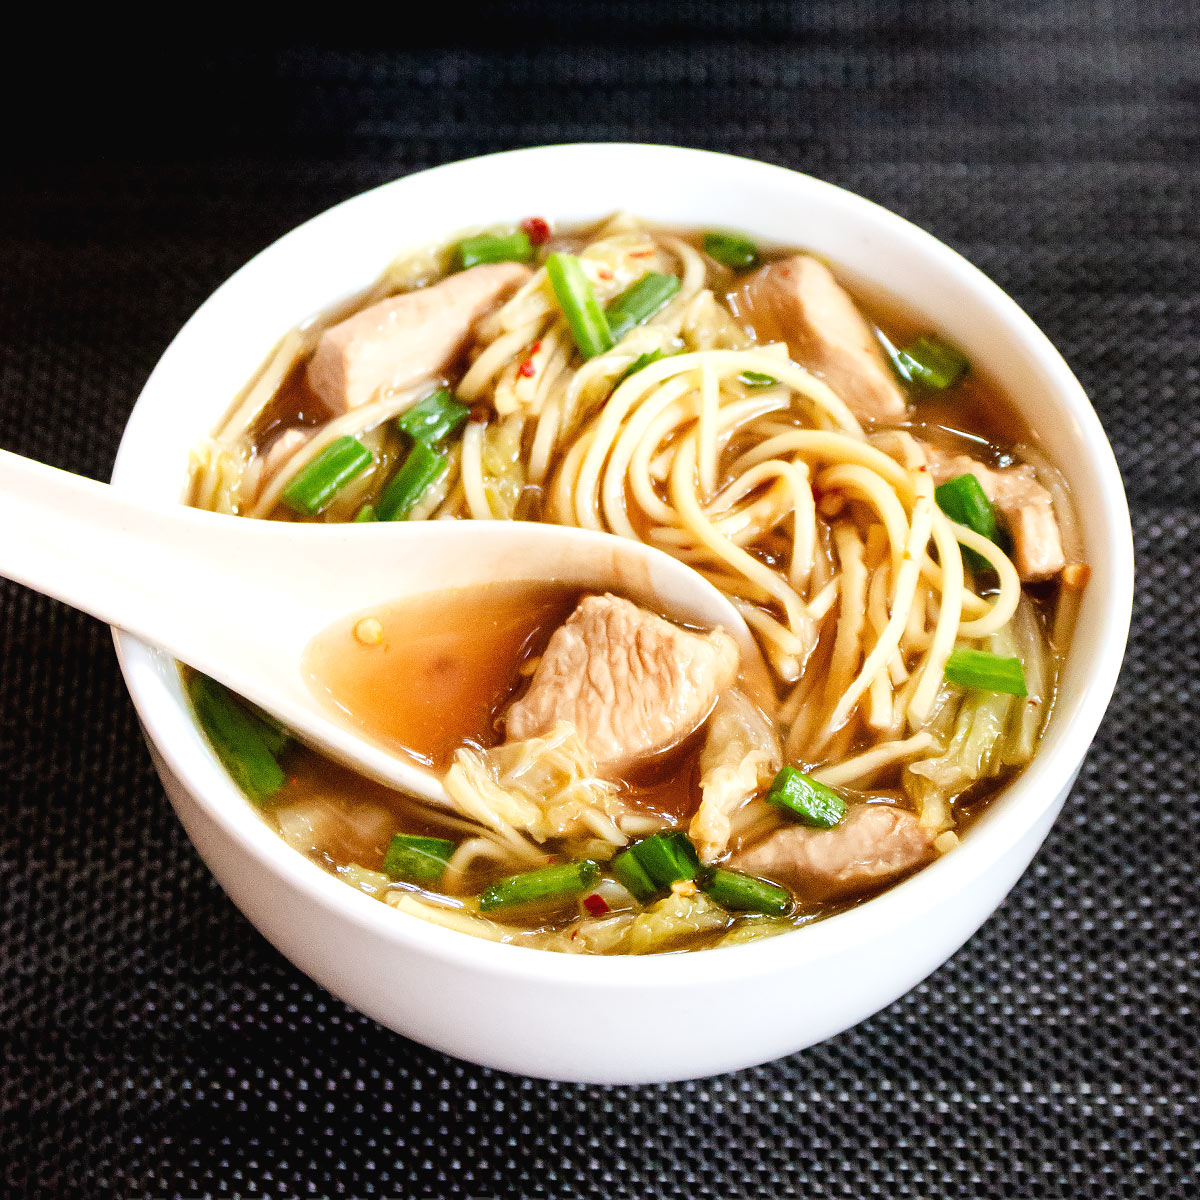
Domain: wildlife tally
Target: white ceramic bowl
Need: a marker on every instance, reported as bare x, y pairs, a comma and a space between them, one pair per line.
622, 1020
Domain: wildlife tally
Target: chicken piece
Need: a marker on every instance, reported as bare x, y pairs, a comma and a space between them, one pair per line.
798, 301
1026, 507
872, 845
740, 757
406, 338
629, 682
282, 449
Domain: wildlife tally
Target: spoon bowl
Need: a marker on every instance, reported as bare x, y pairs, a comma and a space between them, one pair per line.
241, 600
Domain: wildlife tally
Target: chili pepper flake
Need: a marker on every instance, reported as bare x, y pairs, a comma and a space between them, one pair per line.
537, 229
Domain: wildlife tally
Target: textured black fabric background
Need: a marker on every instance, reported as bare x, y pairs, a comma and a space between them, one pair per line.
155, 1044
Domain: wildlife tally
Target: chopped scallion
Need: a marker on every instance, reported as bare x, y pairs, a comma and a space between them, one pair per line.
964, 501
929, 362
745, 893
810, 802
493, 248
273, 733
731, 250
314, 486
240, 738
632, 875
423, 467
653, 864
639, 302
983, 671
366, 513
417, 859
434, 418
642, 360
757, 379
579, 305
547, 883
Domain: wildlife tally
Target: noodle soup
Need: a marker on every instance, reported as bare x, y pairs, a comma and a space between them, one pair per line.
905, 557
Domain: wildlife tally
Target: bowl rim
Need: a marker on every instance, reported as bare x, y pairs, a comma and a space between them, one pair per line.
166, 721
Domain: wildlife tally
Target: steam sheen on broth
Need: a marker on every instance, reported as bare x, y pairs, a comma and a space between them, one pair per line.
903, 553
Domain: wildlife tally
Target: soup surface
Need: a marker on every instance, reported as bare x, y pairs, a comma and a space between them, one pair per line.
872, 506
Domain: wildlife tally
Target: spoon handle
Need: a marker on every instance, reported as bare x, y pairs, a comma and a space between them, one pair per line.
86, 544
237, 600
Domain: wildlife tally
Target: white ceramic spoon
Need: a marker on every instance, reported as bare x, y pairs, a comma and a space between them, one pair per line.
240, 600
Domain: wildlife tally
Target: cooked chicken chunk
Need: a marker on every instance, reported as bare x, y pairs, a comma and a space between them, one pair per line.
1025, 505
629, 682
873, 844
798, 301
740, 757
283, 448
406, 338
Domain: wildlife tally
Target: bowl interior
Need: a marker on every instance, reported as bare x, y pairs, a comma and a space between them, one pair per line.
343, 250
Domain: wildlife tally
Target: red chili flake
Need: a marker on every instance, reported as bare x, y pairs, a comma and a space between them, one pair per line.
295, 780
574, 934
604, 274
527, 370
537, 228
641, 254
595, 904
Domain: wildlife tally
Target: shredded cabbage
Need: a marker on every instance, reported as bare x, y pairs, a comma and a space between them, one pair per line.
710, 326
374, 883
740, 757
543, 786
990, 731
671, 920
503, 471
753, 929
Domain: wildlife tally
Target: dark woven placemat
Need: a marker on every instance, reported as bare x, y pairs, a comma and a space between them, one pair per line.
155, 1044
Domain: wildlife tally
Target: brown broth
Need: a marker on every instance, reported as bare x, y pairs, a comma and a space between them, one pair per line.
446, 665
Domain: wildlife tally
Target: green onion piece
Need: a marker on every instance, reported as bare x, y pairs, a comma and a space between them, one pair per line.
417, 859
930, 362
757, 379
811, 802
493, 248
983, 671
315, 485
632, 875
963, 500
639, 302
423, 467
274, 734
745, 893
547, 883
366, 513
433, 418
642, 360
578, 302
664, 859
731, 250
237, 737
